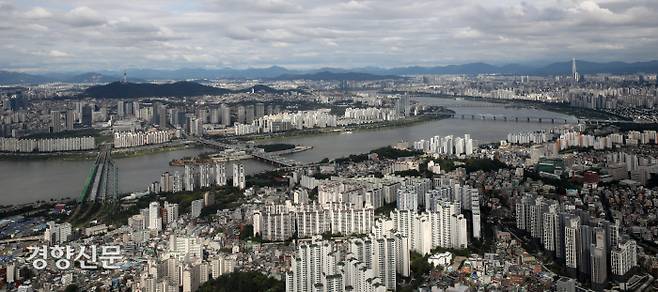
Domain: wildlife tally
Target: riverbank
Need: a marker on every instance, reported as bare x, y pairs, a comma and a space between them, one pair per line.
91, 155
154, 149
445, 114
67, 156
560, 108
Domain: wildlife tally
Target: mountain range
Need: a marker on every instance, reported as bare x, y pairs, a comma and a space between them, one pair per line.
176, 89
363, 73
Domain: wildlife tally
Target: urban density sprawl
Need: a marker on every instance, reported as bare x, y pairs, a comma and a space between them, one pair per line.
153, 148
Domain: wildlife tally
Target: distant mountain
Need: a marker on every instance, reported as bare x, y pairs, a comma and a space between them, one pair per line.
364, 73
197, 73
176, 89
266, 89
134, 90
559, 68
8, 78
332, 76
92, 77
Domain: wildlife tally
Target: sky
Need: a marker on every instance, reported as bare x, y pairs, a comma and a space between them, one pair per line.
89, 35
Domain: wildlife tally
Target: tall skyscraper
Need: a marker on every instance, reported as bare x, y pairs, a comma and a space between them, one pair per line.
574, 72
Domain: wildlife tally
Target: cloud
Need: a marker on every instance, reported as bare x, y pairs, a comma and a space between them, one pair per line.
37, 13
37, 27
58, 54
314, 33
83, 16
467, 33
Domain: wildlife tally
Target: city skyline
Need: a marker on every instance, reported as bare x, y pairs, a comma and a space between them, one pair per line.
91, 35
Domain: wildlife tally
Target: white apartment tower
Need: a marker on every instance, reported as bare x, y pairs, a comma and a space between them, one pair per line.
172, 212
155, 222
220, 174
238, 176
623, 258
571, 242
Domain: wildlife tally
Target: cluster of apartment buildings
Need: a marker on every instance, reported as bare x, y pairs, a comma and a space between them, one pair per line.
196, 177
280, 222
527, 138
448, 145
372, 263
367, 115
47, 144
135, 139
183, 267
321, 118
591, 249
369, 264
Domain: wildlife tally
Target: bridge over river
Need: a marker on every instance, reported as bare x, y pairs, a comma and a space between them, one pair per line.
502, 118
259, 154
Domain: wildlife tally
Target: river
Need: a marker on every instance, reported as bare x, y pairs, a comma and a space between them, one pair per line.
485, 131
31, 180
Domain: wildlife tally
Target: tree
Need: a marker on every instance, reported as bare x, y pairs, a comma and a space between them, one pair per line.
243, 282
419, 265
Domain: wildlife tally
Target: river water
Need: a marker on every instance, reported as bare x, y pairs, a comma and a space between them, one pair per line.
27, 181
